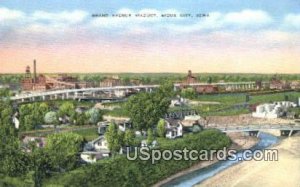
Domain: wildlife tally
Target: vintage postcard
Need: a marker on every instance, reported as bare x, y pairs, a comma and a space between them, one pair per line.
149, 93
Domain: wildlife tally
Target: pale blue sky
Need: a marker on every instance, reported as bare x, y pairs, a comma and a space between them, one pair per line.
233, 34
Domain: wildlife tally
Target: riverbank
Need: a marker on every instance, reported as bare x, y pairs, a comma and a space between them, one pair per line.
239, 142
284, 172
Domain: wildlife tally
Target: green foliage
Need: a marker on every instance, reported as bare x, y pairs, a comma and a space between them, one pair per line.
5, 92
40, 166
63, 150
32, 115
13, 162
93, 115
145, 109
66, 109
129, 137
119, 171
161, 129
51, 118
150, 136
114, 138
189, 93
209, 80
79, 118
8, 134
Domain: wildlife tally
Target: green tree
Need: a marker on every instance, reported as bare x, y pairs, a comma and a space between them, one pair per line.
51, 118
209, 80
32, 115
39, 111
189, 93
80, 118
63, 149
93, 115
145, 109
29, 122
43, 108
129, 137
114, 138
150, 136
13, 162
66, 109
161, 129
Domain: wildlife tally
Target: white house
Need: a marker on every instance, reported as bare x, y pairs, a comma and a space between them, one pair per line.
92, 157
178, 101
124, 125
100, 143
273, 110
174, 128
95, 150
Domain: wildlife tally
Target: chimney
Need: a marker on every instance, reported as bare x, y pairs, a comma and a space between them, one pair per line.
34, 71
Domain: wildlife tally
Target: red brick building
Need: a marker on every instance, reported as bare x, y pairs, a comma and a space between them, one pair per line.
207, 89
190, 78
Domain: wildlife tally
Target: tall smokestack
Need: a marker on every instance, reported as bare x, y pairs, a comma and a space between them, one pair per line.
34, 71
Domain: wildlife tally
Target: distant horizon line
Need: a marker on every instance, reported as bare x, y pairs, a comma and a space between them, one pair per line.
277, 73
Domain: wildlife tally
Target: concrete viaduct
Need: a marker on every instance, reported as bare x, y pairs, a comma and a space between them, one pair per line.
112, 92
116, 91
254, 130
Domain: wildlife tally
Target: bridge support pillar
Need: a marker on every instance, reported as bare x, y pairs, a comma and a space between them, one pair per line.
75, 95
44, 98
284, 132
258, 133
291, 133
253, 133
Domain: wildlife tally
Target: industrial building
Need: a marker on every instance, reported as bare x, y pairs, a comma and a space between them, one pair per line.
42, 82
273, 110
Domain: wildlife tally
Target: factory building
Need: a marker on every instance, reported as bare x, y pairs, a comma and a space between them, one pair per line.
42, 82
30, 83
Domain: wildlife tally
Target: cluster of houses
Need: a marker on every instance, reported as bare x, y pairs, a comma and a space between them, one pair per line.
176, 124
273, 110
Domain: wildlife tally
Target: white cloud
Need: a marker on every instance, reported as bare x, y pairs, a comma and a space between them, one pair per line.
248, 18
229, 27
72, 17
292, 20
9, 14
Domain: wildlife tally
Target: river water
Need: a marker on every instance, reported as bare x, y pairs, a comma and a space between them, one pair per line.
198, 176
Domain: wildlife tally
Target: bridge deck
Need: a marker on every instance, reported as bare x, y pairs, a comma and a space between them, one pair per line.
65, 91
257, 128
